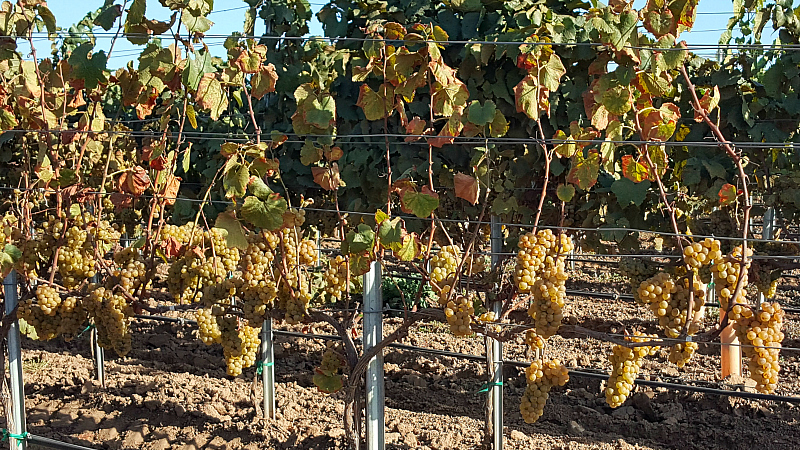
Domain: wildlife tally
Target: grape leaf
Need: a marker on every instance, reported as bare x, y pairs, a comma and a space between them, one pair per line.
421, 204
263, 82
634, 170
108, 16
211, 96
390, 233
416, 127
410, 249
327, 384
565, 192
709, 102
235, 181
628, 192
374, 104
727, 194
235, 237
466, 187
310, 153
359, 240
327, 177
91, 68
195, 22
196, 69
498, 127
266, 214
584, 170
481, 115
532, 98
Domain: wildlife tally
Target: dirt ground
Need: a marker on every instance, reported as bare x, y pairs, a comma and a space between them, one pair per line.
171, 391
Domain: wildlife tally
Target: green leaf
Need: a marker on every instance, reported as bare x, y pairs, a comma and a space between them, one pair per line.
235, 237
12, 251
327, 384
373, 104
420, 204
87, 66
565, 192
136, 12
260, 189
628, 192
235, 181
309, 153
211, 96
187, 159
618, 100
266, 214
108, 16
359, 240
196, 69
48, 18
502, 206
390, 233
195, 22
715, 169
481, 115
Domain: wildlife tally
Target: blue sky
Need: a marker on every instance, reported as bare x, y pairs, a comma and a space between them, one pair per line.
228, 16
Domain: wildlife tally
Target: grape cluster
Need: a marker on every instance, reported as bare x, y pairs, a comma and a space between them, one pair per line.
534, 341
625, 365
540, 377
702, 253
459, 311
761, 330
294, 218
130, 269
443, 268
336, 277
332, 359
681, 353
668, 299
541, 270
764, 278
112, 316
52, 316
258, 290
240, 343
636, 270
726, 276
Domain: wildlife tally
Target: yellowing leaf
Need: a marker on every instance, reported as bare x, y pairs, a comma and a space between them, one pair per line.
327, 177
235, 237
211, 96
709, 102
727, 194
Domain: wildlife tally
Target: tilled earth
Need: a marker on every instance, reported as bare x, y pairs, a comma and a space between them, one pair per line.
171, 391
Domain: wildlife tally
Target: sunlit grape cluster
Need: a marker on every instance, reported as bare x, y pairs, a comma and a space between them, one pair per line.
625, 365
668, 299
335, 277
332, 359
258, 290
129, 269
209, 331
726, 276
294, 296
294, 218
681, 353
702, 253
112, 316
541, 270
459, 311
540, 377
50, 315
443, 268
760, 330
534, 341
240, 343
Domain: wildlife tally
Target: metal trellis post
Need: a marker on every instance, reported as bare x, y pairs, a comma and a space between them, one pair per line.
17, 425
268, 368
767, 232
373, 333
494, 348
98, 353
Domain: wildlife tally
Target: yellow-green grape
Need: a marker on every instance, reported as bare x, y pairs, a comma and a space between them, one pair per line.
475, 264
239, 343
540, 377
765, 279
130, 270
668, 299
682, 352
530, 259
332, 359
534, 341
294, 297
259, 290
625, 365
112, 316
41, 312
336, 277
209, 331
726, 276
206, 259
702, 253
761, 331
459, 313
636, 270
443, 266
294, 218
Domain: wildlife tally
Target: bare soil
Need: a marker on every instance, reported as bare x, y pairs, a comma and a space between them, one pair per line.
171, 391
